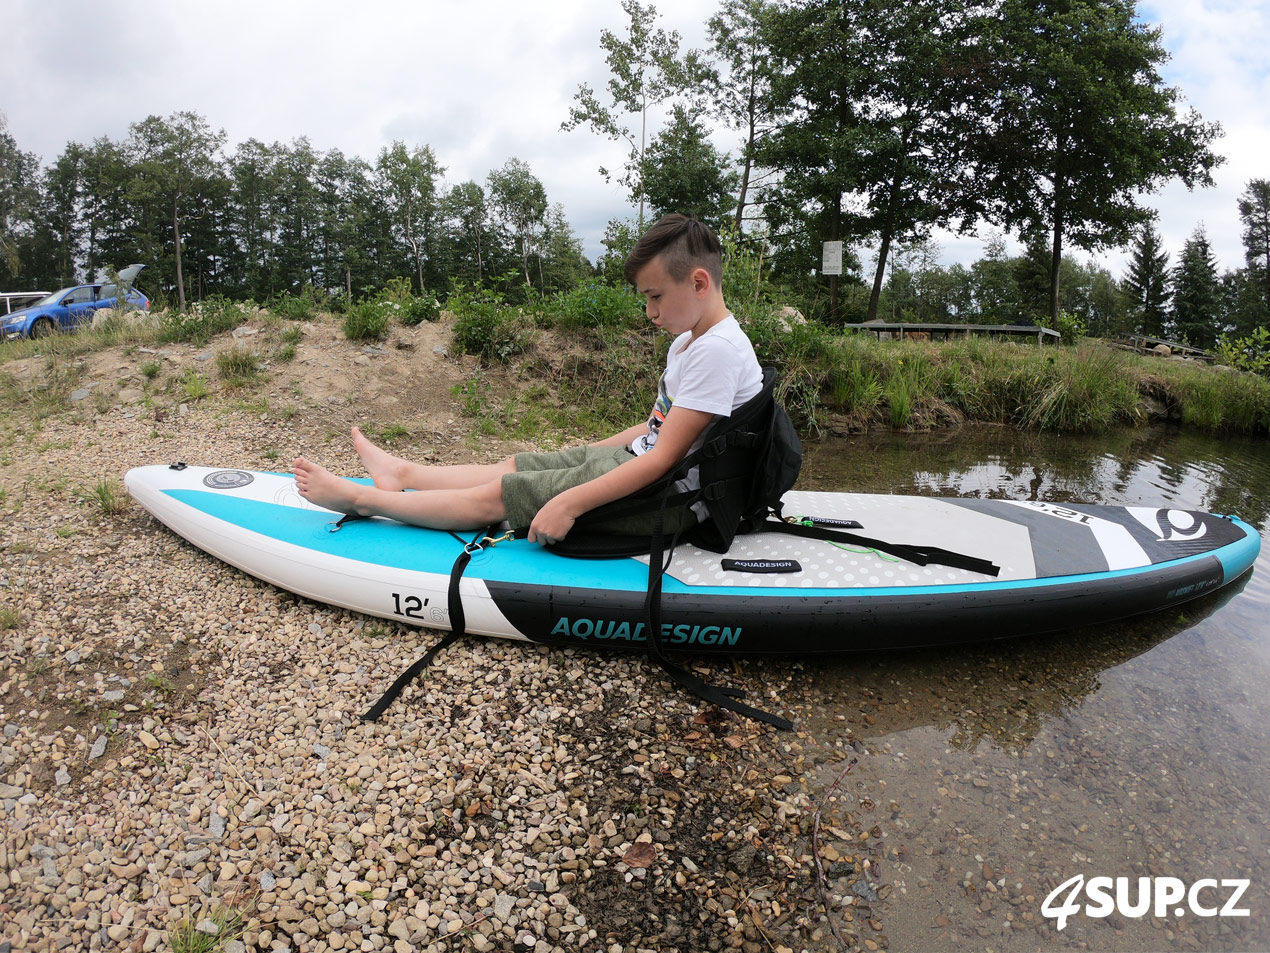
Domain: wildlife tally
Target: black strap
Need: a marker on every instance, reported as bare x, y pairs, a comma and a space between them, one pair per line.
723, 697
458, 628
917, 554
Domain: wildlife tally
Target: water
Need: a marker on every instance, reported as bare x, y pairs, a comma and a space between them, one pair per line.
988, 775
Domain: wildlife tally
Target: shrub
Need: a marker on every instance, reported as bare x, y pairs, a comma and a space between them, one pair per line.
1071, 327
594, 304
416, 310
1251, 353
485, 328
202, 321
299, 307
366, 321
396, 289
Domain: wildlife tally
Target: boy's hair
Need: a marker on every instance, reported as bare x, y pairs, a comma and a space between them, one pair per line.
683, 244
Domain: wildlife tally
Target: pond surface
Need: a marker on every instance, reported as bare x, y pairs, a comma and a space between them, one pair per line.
991, 774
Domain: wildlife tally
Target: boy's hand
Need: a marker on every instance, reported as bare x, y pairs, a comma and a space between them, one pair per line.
552, 523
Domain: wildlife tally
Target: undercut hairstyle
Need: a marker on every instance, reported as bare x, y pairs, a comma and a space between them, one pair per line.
683, 244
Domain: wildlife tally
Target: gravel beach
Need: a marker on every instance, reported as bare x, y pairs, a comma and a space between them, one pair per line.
182, 755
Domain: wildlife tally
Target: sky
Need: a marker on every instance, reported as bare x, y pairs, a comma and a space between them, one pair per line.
493, 81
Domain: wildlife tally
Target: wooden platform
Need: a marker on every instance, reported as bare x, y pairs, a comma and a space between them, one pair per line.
1145, 344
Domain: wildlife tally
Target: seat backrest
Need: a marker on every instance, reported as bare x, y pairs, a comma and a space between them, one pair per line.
747, 460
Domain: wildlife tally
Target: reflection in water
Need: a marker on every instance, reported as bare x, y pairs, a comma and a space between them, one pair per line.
1126, 750
1152, 467
999, 692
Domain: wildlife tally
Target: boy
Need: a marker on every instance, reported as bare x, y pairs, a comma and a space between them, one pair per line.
710, 371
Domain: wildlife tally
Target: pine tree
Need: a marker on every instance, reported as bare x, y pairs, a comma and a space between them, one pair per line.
1254, 212
1197, 296
1147, 283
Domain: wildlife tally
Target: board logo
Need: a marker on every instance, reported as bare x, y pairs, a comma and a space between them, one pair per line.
227, 479
1153, 896
1171, 526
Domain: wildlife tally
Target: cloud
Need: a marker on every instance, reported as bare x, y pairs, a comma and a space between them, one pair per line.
481, 84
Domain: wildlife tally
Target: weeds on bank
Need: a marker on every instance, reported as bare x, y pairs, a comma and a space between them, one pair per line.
192, 386
202, 321
238, 366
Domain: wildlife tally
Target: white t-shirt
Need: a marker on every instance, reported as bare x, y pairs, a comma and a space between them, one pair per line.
716, 374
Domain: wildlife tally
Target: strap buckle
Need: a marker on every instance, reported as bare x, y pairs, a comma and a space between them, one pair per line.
476, 545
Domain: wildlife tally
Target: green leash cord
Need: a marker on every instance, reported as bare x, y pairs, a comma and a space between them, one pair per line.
808, 521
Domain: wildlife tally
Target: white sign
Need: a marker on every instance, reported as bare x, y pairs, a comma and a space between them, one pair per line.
831, 259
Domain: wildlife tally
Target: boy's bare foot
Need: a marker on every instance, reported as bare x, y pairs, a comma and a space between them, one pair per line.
385, 470
318, 485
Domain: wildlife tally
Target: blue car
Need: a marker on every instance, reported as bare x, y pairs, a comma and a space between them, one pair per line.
73, 308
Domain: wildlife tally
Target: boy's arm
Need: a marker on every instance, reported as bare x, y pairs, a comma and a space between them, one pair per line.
677, 434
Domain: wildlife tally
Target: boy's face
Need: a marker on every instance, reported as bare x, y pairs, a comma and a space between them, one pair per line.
675, 306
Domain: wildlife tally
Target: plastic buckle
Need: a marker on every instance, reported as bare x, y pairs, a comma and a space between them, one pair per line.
715, 447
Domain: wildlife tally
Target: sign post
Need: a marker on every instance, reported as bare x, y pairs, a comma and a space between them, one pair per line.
831, 259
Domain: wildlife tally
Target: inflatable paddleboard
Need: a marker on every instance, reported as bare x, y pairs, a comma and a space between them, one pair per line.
1060, 567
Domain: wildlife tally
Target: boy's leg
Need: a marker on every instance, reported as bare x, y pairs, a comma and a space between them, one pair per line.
394, 473
456, 508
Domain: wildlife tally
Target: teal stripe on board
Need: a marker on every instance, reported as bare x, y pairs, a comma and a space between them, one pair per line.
396, 545
389, 543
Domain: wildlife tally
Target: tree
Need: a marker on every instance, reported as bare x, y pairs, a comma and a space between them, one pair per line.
1083, 125
1254, 212
59, 226
739, 82
683, 172
409, 177
812, 145
468, 212
561, 264
645, 71
342, 186
993, 288
1147, 283
875, 118
1197, 297
172, 159
521, 201
18, 194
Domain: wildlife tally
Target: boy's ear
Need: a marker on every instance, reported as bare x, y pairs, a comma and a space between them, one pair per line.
701, 280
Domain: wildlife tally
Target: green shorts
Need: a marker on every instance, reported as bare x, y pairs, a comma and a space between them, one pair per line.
540, 477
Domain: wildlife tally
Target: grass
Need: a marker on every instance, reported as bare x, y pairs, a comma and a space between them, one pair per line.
192, 386
392, 433
108, 497
238, 366
186, 937
605, 361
